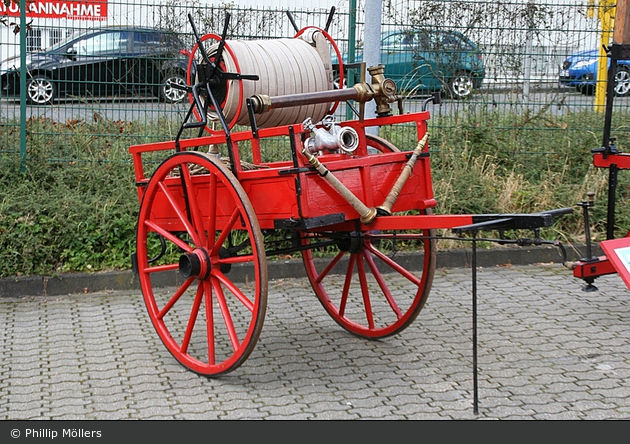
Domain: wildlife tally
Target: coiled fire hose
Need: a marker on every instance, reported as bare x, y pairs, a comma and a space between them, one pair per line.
285, 67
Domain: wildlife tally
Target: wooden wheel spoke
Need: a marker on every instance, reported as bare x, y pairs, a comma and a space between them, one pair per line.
346, 285
242, 259
394, 265
365, 292
225, 232
209, 324
234, 290
178, 294
330, 266
181, 214
193, 207
225, 312
192, 319
382, 284
168, 235
158, 268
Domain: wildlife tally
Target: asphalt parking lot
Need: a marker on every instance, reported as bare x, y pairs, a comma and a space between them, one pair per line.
547, 350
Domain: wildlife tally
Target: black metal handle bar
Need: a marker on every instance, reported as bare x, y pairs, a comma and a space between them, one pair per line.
511, 221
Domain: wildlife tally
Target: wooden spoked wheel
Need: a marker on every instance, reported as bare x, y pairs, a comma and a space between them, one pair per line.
195, 219
367, 284
376, 144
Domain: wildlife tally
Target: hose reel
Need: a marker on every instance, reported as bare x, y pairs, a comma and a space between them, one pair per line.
285, 67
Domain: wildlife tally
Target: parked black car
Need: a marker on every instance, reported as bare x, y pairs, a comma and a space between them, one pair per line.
103, 62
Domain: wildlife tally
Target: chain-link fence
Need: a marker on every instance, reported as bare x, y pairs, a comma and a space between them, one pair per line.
497, 64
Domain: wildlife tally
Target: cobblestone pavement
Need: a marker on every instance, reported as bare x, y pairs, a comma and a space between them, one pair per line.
546, 350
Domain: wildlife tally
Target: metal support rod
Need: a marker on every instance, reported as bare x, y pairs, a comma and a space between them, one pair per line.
23, 76
474, 324
612, 173
610, 96
612, 192
586, 204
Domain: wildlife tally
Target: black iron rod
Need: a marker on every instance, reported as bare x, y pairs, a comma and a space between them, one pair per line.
295, 26
610, 97
612, 173
283, 251
331, 14
587, 231
612, 193
474, 324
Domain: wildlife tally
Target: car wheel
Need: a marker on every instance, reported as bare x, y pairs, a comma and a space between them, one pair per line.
622, 81
461, 85
586, 89
40, 90
170, 93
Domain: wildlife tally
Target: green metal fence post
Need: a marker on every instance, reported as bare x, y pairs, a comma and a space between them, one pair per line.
22, 85
352, 39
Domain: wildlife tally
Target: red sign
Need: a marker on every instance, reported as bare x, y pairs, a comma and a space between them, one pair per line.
618, 252
62, 9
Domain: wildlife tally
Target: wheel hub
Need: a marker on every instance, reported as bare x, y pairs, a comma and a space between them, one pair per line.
195, 264
351, 242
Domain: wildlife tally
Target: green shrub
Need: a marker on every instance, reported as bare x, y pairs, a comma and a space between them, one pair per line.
73, 206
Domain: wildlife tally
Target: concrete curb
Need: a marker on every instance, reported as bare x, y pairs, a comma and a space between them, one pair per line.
85, 283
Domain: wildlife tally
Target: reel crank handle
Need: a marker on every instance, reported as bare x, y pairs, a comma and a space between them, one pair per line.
178, 86
290, 16
198, 39
237, 76
330, 17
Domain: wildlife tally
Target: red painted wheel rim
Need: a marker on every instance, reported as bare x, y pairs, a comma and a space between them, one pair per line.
206, 299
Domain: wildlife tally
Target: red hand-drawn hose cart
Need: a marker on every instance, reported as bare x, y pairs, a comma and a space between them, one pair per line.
212, 207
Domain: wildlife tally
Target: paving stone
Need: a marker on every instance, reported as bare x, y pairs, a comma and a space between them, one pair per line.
546, 351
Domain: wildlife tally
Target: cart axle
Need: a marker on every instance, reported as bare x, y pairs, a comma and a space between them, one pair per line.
195, 264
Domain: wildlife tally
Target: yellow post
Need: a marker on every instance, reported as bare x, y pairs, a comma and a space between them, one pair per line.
606, 15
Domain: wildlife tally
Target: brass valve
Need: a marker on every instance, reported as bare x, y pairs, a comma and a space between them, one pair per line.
385, 90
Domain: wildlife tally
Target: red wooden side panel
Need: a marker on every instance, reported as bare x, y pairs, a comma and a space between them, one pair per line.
284, 191
273, 197
371, 184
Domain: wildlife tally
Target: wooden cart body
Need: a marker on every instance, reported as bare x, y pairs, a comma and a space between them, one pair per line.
289, 194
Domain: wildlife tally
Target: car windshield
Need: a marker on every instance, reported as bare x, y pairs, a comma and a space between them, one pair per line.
426, 41
67, 40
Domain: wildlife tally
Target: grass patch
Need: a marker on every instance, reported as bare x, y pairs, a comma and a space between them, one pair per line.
74, 207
